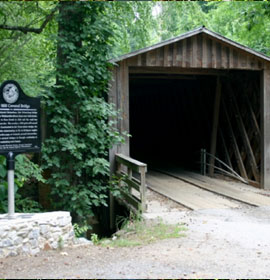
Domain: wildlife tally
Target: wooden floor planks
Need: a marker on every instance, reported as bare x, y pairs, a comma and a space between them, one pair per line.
186, 194
220, 187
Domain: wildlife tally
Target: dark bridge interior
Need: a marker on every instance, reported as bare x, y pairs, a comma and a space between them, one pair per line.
171, 118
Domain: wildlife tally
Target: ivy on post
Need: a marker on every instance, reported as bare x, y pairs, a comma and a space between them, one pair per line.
76, 152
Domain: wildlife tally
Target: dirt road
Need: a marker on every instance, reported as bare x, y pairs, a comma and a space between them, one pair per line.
231, 243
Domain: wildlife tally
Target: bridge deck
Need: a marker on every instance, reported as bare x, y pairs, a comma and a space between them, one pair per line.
195, 191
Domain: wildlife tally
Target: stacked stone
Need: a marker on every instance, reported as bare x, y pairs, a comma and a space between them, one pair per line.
29, 233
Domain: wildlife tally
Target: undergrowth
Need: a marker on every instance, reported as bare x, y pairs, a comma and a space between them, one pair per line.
136, 232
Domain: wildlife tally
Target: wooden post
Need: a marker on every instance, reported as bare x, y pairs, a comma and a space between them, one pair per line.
265, 129
123, 97
112, 99
215, 127
143, 188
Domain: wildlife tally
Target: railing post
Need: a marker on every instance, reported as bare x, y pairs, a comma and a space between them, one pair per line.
203, 162
129, 177
143, 189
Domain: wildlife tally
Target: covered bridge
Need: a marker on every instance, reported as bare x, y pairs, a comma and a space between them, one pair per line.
196, 91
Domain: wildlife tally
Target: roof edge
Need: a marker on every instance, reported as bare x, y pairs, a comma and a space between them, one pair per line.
186, 35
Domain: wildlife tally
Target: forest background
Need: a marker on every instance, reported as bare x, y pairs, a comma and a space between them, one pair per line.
61, 51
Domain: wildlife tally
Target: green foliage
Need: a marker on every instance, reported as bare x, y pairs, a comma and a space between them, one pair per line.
244, 22
81, 121
94, 239
29, 57
179, 17
80, 230
25, 170
133, 25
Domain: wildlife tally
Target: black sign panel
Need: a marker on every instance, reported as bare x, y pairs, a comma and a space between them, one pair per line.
19, 120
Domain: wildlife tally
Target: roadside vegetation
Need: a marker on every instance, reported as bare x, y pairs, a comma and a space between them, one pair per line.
137, 232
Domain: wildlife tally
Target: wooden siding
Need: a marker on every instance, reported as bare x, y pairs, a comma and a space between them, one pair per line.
119, 95
199, 51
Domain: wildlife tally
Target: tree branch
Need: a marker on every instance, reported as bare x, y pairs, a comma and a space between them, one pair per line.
26, 29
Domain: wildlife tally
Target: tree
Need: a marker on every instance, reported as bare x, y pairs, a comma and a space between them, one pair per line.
77, 149
25, 44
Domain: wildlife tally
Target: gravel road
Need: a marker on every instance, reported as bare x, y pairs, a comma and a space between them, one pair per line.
219, 243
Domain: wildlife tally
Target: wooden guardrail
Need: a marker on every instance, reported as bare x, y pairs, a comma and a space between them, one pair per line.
132, 188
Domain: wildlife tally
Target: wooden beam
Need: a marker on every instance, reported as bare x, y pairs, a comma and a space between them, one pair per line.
236, 151
123, 96
133, 164
227, 156
244, 135
254, 122
265, 129
215, 127
175, 70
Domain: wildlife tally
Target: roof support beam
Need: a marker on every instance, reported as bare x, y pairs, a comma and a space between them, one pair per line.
176, 70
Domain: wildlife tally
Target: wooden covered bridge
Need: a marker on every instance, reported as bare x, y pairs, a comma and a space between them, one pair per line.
196, 91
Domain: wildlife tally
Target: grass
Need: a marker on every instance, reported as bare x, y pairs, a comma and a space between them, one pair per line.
136, 232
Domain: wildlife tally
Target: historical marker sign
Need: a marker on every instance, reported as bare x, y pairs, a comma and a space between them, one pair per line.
19, 120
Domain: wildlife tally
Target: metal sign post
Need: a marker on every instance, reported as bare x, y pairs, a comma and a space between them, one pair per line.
10, 175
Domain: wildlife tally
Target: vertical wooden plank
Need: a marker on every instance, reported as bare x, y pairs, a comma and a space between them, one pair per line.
124, 105
215, 127
194, 48
139, 60
231, 58
188, 52
112, 99
166, 56
265, 129
151, 58
204, 52
179, 53
223, 57
227, 65
143, 189
199, 57
260, 64
252, 62
174, 58
184, 63
148, 58
143, 56
243, 59
157, 57
133, 61
218, 55
209, 52
170, 55
214, 54
235, 59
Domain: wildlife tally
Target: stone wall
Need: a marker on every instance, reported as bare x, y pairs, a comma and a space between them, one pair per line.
29, 233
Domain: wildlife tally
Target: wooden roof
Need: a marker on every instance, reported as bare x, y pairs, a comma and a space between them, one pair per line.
199, 48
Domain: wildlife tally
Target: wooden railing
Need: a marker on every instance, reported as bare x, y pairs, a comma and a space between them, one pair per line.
132, 187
